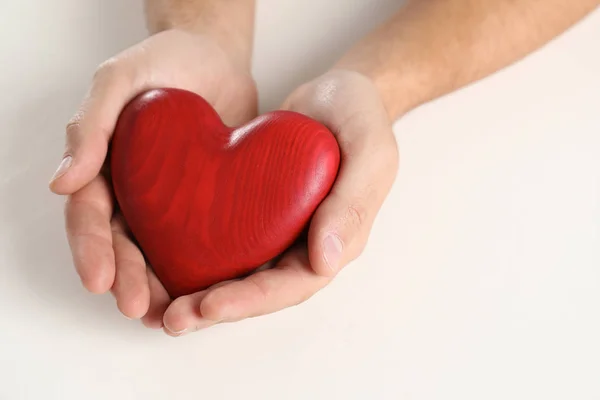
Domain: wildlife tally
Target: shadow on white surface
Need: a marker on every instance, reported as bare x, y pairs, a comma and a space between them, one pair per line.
33, 219
40, 105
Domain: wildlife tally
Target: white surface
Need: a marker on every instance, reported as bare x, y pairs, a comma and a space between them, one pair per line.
481, 279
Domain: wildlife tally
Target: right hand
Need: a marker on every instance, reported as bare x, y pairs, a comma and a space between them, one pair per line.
104, 254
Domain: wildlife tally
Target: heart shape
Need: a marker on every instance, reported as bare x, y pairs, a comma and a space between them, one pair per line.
208, 203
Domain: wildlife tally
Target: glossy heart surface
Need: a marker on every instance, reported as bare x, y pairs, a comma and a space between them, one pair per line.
208, 203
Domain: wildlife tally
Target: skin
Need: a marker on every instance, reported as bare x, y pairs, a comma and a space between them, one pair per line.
428, 49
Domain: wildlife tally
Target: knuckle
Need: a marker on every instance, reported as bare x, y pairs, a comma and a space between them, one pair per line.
114, 72
107, 69
357, 220
356, 223
74, 123
356, 215
73, 126
105, 74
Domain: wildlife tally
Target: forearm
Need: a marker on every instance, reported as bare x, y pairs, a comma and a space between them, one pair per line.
231, 23
432, 47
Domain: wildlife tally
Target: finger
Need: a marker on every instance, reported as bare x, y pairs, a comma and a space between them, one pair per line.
159, 302
131, 282
290, 283
89, 131
87, 216
183, 315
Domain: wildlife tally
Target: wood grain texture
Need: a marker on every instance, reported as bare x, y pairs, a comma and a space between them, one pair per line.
207, 203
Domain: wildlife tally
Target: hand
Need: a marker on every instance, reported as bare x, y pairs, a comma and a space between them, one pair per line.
104, 254
349, 104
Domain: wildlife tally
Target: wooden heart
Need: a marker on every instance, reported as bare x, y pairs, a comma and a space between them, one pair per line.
206, 202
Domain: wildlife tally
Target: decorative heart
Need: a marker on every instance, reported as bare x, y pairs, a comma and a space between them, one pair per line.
207, 203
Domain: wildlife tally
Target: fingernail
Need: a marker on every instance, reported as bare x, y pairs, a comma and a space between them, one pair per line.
62, 168
176, 332
332, 250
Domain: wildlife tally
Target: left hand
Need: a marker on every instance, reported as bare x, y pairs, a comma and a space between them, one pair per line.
349, 104
104, 253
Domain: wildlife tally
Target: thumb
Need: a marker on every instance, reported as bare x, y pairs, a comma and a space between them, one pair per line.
341, 225
349, 104
89, 131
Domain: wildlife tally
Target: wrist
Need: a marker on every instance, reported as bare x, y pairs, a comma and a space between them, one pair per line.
234, 43
229, 24
399, 90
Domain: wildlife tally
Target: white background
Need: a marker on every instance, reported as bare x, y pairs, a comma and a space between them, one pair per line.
481, 279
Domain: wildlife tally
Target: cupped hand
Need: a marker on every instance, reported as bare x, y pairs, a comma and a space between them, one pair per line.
104, 254
350, 105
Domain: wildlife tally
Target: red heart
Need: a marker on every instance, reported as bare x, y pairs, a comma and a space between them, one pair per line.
207, 203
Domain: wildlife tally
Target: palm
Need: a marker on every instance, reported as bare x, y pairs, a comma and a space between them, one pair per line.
290, 282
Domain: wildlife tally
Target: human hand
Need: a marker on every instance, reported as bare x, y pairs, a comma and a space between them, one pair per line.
349, 104
104, 254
